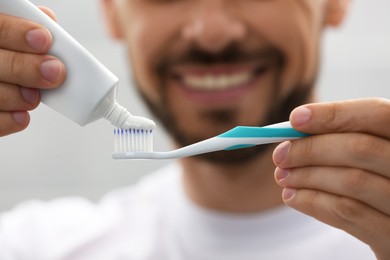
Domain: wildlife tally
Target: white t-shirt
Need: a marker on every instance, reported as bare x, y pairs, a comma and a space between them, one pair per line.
155, 220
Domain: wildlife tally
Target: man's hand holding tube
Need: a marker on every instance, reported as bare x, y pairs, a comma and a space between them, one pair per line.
341, 174
25, 68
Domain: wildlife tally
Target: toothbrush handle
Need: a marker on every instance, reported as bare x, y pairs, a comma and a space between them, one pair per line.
285, 124
86, 76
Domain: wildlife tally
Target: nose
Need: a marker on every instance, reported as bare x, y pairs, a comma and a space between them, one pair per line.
212, 27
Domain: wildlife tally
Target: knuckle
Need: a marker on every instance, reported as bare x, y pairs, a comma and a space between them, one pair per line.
309, 200
308, 147
356, 180
303, 176
5, 102
20, 68
331, 117
364, 146
347, 210
11, 63
4, 30
16, 63
383, 108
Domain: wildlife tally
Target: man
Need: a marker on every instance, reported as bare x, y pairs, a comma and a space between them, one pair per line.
204, 66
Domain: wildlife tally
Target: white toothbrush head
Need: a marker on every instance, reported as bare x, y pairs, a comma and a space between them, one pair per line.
133, 140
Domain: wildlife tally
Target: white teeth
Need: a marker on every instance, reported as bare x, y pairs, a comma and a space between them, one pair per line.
220, 82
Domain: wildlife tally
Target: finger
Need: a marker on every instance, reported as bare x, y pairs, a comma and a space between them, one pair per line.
356, 218
355, 150
33, 70
362, 115
24, 36
48, 12
12, 122
366, 187
15, 98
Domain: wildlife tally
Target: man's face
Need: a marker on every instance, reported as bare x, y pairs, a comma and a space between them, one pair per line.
205, 66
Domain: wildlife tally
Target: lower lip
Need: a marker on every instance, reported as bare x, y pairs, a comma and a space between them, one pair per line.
210, 97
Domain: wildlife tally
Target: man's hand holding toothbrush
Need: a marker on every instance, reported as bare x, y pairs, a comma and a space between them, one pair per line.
25, 68
341, 174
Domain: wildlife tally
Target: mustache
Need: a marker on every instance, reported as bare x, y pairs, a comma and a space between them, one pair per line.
232, 53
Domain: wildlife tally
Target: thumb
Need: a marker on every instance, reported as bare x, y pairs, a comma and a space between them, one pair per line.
49, 12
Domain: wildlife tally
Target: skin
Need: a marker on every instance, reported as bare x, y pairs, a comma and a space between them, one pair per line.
339, 175
24, 70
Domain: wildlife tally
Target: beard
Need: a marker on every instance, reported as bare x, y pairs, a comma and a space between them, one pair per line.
278, 111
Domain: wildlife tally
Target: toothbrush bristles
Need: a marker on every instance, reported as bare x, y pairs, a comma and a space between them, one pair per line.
133, 140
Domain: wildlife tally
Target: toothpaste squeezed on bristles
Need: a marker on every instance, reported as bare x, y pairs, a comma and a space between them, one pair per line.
131, 133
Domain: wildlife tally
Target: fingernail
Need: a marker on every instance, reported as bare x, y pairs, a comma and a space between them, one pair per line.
288, 194
51, 70
281, 174
38, 39
30, 95
21, 118
281, 152
300, 116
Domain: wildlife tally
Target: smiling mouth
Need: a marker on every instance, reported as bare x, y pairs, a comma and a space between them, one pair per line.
216, 80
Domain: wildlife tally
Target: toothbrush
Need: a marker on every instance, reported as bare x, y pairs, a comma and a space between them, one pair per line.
137, 144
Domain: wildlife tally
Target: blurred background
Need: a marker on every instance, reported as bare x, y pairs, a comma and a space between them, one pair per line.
55, 157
